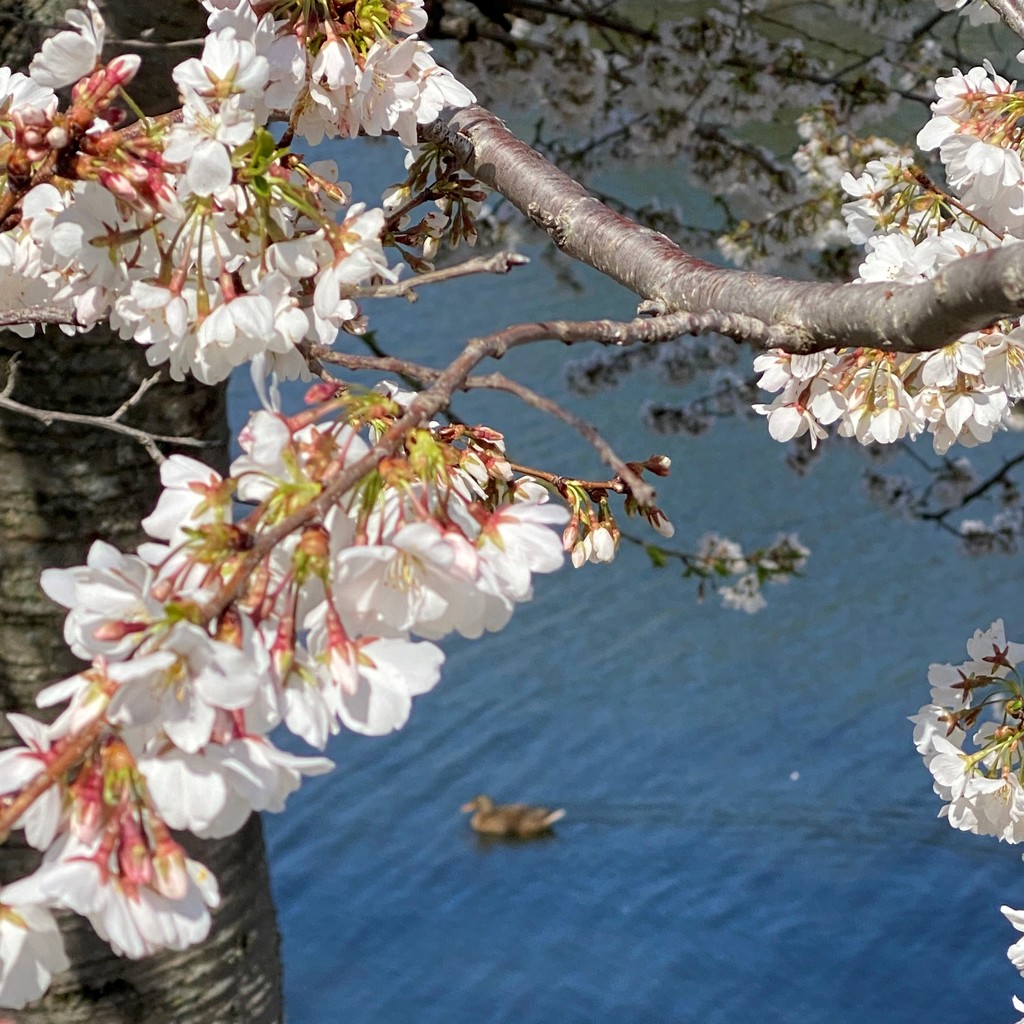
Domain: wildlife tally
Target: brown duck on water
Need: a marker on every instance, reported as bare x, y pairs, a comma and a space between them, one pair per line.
519, 820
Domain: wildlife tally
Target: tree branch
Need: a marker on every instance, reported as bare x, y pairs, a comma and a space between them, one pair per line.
111, 422
499, 263
800, 317
630, 479
39, 315
1012, 13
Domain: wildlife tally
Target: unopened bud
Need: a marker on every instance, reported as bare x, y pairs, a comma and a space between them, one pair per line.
122, 69
170, 877
57, 137
321, 392
116, 182
659, 465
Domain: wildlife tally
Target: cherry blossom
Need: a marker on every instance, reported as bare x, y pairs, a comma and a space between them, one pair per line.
69, 56
31, 950
135, 918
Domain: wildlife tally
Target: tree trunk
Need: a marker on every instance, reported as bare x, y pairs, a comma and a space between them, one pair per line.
64, 487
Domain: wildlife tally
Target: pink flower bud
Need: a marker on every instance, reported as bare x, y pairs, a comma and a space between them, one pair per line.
133, 851
122, 69
320, 392
170, 877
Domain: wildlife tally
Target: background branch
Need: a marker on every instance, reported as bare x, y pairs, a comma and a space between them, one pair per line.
111, 422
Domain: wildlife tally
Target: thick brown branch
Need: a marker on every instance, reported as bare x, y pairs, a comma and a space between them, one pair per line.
1012, 13
970, 293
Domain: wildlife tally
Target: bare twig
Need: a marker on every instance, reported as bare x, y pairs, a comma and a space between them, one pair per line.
608, 332
158, 44
111, 422
631, 480
976, 492
426, 404
499, 263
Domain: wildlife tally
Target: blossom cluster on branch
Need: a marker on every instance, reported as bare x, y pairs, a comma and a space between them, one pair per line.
309, 588
912, 228
306, 589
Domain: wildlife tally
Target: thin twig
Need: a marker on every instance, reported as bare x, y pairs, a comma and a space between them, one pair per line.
499, 263
976, 492
638, 487
159, 44
111, 422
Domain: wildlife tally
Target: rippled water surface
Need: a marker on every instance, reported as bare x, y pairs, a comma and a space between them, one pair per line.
749, 834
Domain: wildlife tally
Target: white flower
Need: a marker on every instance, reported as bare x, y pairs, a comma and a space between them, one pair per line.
787, 421
1016, 952
387, 87
369, 682
358, 256
109, 602
69, 56
31, 951
234, 331
193, 496
438, 87
940, 368
929, 722
21, 93
18, 767
204, 141
207, 675
135, 919
213, 791
422, 580
228, 67
516, 541
158, 316
744, 595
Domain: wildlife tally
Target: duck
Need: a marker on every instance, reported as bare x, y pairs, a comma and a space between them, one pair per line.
521, 821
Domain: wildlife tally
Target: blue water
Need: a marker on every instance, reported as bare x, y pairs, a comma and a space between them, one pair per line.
749, 833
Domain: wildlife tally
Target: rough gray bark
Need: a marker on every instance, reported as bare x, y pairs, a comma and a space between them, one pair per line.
63, 487
804, 317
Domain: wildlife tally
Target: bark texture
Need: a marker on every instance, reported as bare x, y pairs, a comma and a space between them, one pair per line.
63, 487
804, 316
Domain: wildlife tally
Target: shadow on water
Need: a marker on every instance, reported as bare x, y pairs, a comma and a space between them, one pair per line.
488, 844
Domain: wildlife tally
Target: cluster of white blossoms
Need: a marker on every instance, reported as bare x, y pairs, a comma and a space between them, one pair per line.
720, 559
331, 624
203, 237
912, 228
971, 737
